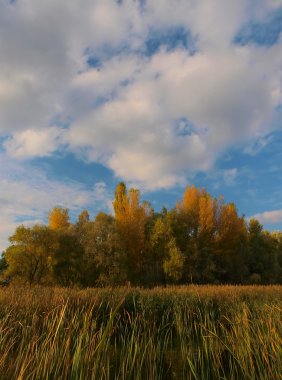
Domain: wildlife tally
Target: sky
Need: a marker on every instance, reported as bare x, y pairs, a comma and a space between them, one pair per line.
160, 94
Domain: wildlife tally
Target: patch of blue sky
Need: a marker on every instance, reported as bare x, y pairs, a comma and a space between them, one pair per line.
258, 183
3, 138
264, 33
276, 122
171, 39
67, 167
23, 219
164, 198
96, 58
255, 187
184, 127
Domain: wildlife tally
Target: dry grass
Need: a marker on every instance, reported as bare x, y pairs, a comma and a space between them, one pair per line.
192, 332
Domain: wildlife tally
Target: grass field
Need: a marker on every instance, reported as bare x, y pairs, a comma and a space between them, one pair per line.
192, 332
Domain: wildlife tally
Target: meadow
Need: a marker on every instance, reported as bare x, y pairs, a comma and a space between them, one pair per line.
189, 332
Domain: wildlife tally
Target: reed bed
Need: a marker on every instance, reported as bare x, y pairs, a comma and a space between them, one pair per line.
189, 332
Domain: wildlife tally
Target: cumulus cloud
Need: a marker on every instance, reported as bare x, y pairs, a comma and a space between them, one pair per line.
224, 95
274, 216
30, 143
126, 112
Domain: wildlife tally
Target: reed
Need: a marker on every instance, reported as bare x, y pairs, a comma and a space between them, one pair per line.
192, 332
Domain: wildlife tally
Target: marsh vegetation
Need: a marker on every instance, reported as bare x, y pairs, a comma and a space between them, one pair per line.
190, 332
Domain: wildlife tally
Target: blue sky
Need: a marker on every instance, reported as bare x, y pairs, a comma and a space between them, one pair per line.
160, 94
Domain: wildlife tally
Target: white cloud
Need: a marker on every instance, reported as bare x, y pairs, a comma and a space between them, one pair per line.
125, 113
274, 216
224, 95
30, 143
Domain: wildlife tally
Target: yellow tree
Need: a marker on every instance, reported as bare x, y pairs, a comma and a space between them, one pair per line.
130, 217
121, 203
207, 218
231, 243
197, 214
68, 256
59, 218
190, 209
206, 236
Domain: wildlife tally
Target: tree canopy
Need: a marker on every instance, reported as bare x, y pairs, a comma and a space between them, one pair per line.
201, 240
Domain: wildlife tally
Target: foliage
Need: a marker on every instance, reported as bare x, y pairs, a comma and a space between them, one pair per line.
59, 218
29, 257
201, 240
173, 264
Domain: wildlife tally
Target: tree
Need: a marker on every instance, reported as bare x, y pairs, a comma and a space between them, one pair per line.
3, 264
197, 216
67, 259
59, 218
263, 259
101, 262
230, 244
190, 209
121, 203
130, 219
30, 255
173, 264
160, 236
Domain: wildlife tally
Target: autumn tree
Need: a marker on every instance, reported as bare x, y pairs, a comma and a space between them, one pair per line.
101, 263
67, 257
130, 219
206, 236
29, 258
201, 240
197, 216
59, 218
83, 217
230, 244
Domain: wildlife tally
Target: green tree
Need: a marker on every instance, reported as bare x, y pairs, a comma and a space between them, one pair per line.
230, 244
160, 236
29, 257
3, 264
67, 258
174, 262
102, 262
262, 254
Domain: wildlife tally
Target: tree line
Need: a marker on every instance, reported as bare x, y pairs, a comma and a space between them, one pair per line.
201, 240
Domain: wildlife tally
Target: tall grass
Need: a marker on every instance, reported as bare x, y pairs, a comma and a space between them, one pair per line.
195, 332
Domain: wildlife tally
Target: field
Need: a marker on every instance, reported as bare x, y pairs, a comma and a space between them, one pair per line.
192, 332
